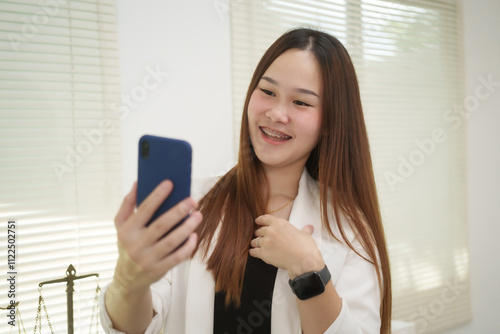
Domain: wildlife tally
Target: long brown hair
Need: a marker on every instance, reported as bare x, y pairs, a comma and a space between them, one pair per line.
341, 162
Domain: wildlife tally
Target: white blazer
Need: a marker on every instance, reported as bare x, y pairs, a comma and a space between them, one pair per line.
184, 298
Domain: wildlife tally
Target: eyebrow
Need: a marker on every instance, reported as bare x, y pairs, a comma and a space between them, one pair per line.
300, 90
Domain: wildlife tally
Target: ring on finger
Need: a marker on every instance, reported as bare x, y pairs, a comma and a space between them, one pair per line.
258, 244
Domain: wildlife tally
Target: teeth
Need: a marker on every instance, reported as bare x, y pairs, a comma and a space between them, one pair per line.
275, 134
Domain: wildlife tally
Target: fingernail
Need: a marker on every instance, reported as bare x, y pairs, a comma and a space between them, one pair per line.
195, 203
197, 216
166, 185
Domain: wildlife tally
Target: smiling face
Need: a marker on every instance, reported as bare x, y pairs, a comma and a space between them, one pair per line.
284, 111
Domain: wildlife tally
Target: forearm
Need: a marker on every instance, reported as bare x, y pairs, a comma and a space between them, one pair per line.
130, 311
318, 313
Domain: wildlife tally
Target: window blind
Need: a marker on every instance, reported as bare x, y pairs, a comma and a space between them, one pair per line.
408, 59
60, 160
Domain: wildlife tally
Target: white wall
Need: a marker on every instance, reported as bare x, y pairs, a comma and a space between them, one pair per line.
482, 58
190, 41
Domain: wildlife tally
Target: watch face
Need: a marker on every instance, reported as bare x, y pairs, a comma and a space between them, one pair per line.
308, 285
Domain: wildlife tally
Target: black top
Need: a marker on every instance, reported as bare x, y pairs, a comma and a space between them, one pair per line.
254, 314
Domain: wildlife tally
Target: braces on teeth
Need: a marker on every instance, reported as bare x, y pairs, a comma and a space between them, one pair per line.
274, 133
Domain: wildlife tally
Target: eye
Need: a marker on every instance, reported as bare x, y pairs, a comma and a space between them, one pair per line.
267, 92
300, 103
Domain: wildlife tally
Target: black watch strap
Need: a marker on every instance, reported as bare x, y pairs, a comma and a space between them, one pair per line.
325, 275
310, 284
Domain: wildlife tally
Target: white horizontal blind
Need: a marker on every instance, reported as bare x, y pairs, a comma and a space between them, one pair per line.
60, 160
407, 56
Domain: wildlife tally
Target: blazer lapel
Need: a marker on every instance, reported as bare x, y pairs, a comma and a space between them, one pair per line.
199, 299
285, 316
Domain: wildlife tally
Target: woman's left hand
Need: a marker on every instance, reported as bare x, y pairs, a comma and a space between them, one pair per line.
282, 245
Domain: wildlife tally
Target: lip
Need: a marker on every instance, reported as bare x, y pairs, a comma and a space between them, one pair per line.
273, 136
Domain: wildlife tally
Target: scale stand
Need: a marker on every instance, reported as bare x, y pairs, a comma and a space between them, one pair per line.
70, 278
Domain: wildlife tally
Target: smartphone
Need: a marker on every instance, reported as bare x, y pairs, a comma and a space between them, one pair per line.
161, 159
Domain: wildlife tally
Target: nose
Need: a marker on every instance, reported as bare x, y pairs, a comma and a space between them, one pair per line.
278, 114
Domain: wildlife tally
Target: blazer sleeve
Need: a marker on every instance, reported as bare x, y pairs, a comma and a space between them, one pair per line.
160, 292
358, 287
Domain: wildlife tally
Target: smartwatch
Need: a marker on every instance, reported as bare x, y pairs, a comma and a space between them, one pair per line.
310, 284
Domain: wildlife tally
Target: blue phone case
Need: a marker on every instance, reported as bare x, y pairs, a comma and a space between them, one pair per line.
161, 159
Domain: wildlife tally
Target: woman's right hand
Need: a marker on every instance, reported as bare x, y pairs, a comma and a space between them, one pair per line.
144, 255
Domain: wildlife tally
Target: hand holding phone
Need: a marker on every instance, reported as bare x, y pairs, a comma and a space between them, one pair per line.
144, 258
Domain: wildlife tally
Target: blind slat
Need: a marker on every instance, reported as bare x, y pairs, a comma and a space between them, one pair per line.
59, 81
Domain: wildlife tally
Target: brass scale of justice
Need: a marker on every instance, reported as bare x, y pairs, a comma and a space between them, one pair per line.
69, 279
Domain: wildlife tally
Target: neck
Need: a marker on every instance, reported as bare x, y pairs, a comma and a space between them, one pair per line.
283, 182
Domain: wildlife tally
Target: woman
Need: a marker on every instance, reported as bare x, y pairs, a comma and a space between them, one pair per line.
291, 240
